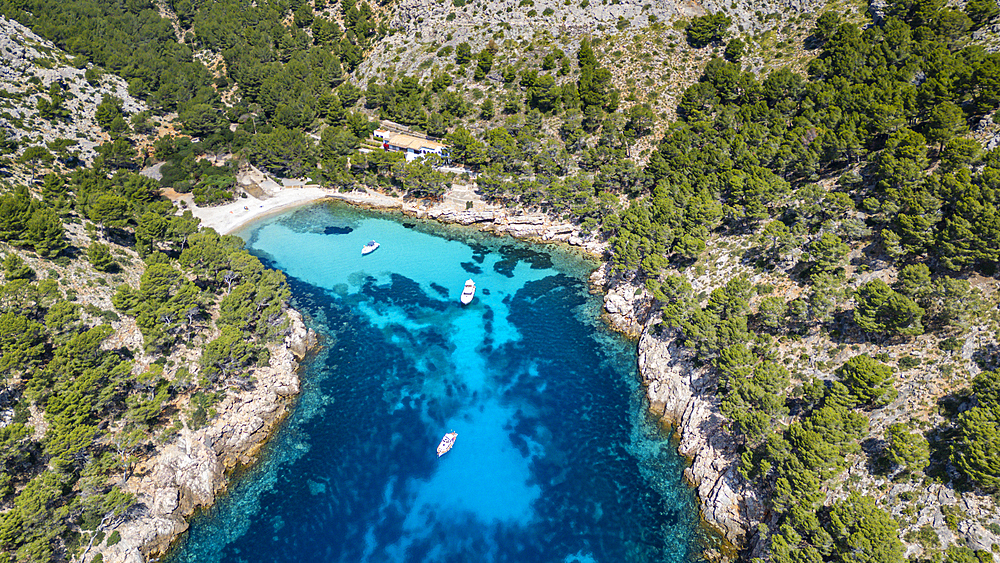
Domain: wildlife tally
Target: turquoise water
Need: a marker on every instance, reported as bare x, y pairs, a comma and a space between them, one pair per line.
556, 460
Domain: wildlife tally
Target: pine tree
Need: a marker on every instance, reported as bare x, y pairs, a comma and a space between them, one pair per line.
869, 380
907, 450
100, 257
44, 231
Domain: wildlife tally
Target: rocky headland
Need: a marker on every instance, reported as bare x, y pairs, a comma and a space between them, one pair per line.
191, 471
684, 393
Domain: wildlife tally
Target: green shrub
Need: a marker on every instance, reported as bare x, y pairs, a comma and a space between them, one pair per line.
926, 536
704, 30
950, 344
953, 516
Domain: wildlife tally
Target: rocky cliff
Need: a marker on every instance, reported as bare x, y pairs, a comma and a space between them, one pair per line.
685, 395
191, 470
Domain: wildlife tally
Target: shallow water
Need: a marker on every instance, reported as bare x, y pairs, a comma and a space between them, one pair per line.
556, 459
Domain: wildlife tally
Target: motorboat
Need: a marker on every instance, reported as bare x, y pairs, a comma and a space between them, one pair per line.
468, 292
369, 248
446, 443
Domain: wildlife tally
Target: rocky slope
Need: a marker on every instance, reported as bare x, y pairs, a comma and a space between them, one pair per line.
642, 43
30, 65
684, 394
428, 19
191, 470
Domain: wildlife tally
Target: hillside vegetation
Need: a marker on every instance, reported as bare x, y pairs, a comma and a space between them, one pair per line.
121, 324
801, 198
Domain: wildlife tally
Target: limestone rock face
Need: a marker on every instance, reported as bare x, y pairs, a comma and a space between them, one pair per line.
300, 338
24, 55
685, 395
626, 304
190, 471
537, 226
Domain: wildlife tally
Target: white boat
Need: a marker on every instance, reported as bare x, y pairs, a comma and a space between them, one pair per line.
469, 292
369, 248
446, 443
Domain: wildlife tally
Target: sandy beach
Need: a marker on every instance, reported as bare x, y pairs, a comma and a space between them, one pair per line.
228, 218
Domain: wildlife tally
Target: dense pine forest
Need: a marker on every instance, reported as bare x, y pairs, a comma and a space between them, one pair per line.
857, 176
80, 414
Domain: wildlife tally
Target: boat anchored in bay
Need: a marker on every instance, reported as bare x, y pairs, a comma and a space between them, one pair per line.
369, 248
446, 443
469, 292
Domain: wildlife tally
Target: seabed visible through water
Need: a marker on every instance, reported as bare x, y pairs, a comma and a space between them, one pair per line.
557, 458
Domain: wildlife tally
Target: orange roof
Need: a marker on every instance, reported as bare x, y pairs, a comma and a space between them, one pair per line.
408, 142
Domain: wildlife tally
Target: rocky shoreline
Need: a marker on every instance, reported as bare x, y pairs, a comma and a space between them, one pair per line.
191, 471
535, 226
684, 396
682, 393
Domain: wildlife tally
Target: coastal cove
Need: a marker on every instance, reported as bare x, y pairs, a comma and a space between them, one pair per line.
557, 457
415, 281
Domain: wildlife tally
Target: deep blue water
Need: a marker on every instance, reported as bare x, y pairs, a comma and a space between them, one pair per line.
556, 460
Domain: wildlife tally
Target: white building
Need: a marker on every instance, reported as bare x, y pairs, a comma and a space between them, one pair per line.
414, 147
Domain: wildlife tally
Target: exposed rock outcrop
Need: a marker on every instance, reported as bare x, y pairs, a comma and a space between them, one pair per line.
626, 304
429, 20
685, 395
533, 226
29, 65
189, 472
